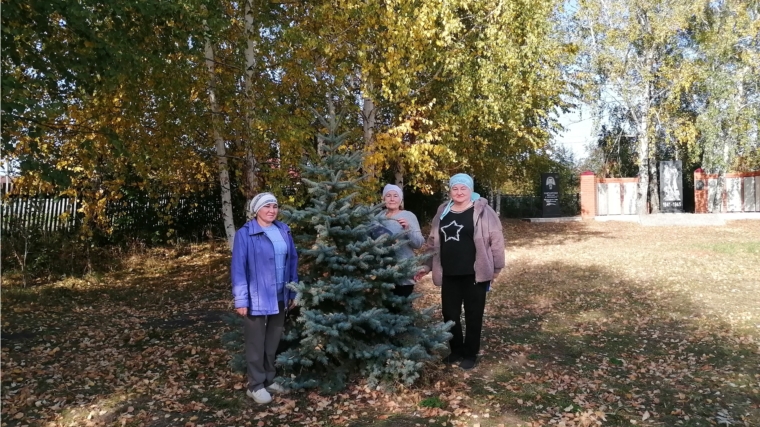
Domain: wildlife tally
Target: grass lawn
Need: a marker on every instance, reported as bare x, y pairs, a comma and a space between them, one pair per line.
608, 324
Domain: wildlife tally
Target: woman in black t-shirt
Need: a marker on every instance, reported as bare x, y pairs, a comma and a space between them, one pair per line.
468, 253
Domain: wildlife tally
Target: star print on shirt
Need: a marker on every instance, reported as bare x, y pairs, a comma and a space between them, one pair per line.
452, 227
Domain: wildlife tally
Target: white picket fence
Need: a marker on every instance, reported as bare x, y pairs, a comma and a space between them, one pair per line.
45, 214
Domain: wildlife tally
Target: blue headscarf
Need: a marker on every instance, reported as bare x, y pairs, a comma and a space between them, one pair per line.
461, 178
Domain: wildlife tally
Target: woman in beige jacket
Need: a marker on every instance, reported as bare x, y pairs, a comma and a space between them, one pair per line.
467, 244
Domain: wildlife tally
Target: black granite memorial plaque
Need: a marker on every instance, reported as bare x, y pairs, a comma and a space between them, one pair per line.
550, 195
671, 187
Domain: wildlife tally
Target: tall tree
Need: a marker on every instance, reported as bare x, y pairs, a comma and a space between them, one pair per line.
219, 143
726, 96
443, 86
632, 57
90, 110
250, 13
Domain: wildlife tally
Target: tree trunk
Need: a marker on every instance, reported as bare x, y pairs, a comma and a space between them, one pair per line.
221, 151
498, 203
643, 154
654, 190
398, 177
369, 114
719, 204
250, 169
398, 174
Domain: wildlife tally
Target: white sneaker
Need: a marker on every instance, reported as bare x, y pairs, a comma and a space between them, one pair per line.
260, 396
276, 389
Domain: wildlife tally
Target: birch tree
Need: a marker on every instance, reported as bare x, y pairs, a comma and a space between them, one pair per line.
219, 144
438, 86
251, 186
726, 98
90, 111
632, 58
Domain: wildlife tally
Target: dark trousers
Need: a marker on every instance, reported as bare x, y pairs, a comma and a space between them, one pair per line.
403, 290
458, 291
262, 335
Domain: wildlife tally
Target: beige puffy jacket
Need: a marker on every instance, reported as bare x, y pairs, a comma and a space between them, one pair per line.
489, 244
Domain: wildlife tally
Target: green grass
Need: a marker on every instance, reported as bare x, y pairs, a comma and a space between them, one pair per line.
432, 402
402, 421
735, 248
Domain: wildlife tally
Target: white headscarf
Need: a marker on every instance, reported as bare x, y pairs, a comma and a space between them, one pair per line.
261, 200
396, 188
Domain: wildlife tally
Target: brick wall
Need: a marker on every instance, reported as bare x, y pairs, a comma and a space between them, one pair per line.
591, 186
588, 195
701, 191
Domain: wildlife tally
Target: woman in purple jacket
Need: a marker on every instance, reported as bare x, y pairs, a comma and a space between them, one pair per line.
264, 259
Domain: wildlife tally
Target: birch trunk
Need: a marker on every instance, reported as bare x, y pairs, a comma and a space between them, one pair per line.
369, 114
721, 186
654, 186
642, 189
398, 177
398, 174
251, 164
221, 151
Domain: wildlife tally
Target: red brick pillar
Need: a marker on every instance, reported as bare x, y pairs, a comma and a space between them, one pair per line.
588, 195
700, 191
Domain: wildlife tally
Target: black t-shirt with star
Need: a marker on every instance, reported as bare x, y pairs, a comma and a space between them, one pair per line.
457, 232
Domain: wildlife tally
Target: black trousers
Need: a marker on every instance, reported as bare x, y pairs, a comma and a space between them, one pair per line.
403, 290
458, 291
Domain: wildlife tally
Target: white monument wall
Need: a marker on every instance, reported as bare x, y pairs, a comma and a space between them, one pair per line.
629, 198
714, 200
601, 199
734, 194
750, 196
614, 204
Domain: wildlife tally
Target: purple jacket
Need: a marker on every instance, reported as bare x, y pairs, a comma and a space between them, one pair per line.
254, 283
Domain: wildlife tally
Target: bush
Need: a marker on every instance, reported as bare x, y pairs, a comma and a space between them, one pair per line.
32, 252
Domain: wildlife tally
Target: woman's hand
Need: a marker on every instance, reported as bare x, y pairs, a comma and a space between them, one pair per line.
242, 311
422, 273
404, 223
291, 304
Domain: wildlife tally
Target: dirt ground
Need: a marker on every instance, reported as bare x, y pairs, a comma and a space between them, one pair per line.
590, 324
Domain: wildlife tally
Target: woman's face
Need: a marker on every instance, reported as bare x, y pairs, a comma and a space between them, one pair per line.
460, 193
392, 200
268, 213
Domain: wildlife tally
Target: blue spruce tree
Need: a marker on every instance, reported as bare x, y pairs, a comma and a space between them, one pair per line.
350, 322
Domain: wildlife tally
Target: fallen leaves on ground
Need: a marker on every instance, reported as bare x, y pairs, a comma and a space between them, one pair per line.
591, 324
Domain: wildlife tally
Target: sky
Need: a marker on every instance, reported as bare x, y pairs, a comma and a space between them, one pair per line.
579, 125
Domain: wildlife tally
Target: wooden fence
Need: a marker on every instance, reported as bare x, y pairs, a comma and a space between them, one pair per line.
44, 214
139, 216
193, 215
